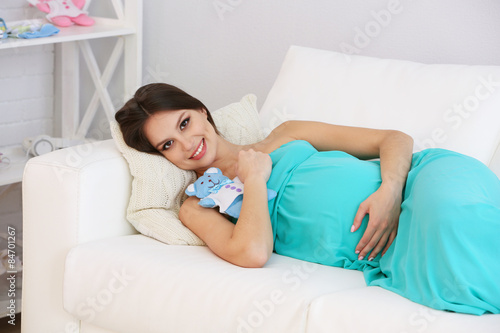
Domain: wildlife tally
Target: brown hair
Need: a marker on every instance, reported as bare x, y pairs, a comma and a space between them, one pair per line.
148, 100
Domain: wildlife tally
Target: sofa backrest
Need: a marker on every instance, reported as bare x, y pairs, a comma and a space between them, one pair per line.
455, 107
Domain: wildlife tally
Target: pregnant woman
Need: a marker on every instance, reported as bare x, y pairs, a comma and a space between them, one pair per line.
334, 205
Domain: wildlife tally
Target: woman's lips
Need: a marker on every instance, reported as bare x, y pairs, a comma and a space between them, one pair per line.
200, 151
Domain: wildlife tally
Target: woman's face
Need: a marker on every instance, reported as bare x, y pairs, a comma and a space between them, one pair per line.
185, 137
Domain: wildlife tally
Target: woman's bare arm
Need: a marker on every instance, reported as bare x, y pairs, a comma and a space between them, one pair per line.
395, 151
249, 243
364, 143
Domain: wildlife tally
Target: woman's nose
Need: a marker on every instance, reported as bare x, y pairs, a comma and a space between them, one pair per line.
187, 143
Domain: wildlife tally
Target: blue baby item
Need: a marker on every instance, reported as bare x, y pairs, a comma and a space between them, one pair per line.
45, 30
3, 29
29, 30
215, 189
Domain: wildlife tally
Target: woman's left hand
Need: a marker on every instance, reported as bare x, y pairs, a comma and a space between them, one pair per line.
383, 208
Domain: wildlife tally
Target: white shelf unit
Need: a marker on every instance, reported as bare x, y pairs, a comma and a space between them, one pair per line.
71, 43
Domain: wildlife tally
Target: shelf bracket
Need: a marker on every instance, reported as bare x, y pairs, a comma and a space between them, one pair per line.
104, 81
70, 84
95, 73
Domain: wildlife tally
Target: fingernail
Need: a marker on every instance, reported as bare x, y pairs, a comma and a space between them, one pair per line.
352, 228
370, 259
357, 252
361, 258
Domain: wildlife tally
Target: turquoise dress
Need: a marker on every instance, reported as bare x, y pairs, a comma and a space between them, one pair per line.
446, 254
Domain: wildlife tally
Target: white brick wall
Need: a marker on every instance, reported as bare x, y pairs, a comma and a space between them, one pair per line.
26, 93
26, 83
26, 100
13, 10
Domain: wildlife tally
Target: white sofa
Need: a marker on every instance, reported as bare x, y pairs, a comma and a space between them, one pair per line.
86, 269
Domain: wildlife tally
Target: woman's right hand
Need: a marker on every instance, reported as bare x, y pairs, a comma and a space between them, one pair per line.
253, 163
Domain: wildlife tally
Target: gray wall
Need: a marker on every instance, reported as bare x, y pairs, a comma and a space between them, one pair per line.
221, 50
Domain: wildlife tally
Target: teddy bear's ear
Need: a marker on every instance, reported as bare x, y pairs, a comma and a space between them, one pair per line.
191, 190
213, 170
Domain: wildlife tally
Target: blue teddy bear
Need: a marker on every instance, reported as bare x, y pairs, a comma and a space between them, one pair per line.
215, 189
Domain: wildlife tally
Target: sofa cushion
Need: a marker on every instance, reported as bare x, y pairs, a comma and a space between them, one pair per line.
158, 185
447, 106
391, 313
136, 284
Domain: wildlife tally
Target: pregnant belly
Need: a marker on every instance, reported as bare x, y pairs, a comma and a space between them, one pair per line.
318, 206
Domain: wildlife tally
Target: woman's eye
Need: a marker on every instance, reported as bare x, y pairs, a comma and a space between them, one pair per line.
167, 144
184, 123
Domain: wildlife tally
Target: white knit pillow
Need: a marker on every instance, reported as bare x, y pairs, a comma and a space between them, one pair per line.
158, 185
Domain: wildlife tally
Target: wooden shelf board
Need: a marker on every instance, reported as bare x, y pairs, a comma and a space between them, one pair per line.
104, 27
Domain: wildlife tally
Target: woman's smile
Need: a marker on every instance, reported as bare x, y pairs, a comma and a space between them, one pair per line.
200, 151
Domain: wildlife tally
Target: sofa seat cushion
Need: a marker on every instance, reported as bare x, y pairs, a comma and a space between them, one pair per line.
399, 315
137, 284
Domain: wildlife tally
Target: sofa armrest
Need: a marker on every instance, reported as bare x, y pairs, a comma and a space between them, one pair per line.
70, 196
